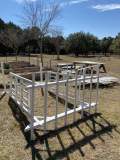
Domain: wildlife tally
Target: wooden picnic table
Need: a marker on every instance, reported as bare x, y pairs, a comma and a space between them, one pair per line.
90, 63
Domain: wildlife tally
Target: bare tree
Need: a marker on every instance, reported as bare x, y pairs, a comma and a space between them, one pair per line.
41, 14
30, 35
11, 38
57, 40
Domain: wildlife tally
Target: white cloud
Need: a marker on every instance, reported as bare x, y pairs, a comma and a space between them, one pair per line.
72, 2
77, 1
106, 7
21, 1
62, 4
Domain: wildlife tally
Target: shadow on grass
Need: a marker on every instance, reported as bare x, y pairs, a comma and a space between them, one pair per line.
90, 121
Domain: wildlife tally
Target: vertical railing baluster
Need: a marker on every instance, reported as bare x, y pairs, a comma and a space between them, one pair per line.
45, 100
41, 74
66, 98
75, 100
32, 103
91, 81
84, 74
97, 88
16, 89
10, 90
49, 76
79, 89
57, 95
21, 92
29, 97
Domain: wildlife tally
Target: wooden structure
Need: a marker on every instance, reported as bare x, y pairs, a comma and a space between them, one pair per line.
104, 79
2, 77
23, 67
90, 63
25, 93
66, 67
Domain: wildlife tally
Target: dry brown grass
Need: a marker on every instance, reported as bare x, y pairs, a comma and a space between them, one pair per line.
80, 141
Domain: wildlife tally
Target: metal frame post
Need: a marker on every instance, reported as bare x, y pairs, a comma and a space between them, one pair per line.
32, 97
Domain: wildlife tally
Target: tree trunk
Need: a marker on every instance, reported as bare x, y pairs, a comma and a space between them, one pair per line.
16, 55
29, 57
41, 57
58, 54
29, 54
41, 50
6, 58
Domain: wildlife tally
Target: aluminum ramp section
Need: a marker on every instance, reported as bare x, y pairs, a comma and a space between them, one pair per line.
40, 123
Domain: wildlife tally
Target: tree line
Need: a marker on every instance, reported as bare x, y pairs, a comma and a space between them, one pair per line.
15, 40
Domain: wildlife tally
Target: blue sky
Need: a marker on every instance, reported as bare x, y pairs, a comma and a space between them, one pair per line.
99, 17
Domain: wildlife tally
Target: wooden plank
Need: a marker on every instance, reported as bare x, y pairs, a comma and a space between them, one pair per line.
90, 63
87, 62
3, 76
103, 80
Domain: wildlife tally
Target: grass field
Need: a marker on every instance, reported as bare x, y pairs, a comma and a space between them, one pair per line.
97, 138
